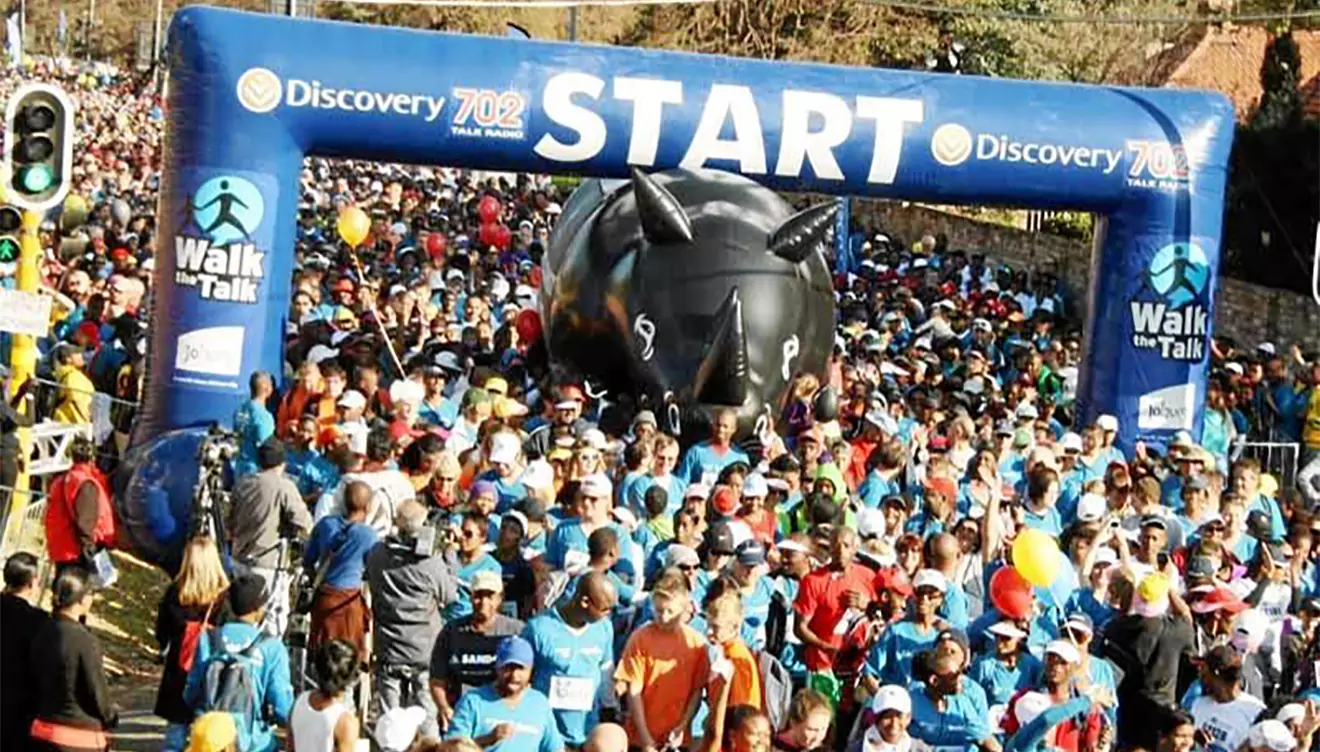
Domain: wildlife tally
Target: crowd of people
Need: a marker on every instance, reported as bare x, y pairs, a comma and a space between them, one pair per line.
509, 570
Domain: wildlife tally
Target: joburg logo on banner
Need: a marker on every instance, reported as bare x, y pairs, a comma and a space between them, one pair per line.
1169, 314
214, 250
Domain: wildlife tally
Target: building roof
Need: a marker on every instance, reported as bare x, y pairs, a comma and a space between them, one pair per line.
1228, 59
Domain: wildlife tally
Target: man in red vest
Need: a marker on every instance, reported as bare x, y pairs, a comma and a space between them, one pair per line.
80, 520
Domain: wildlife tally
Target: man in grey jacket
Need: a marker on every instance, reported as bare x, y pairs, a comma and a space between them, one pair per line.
266, 510
410, 586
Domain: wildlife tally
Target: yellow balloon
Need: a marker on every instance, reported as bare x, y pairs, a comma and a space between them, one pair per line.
353, 225
1269, 486
74, 203
1036, 557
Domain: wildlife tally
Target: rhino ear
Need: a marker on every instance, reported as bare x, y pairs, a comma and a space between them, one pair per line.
663, 219
802, 233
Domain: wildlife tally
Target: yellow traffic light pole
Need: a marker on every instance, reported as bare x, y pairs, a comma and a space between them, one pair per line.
23, 366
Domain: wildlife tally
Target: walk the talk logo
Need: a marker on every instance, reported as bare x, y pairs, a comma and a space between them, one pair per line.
215, 251
1177, 321
259, 90
951, 145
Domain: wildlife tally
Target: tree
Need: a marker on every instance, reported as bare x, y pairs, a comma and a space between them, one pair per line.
1280, 79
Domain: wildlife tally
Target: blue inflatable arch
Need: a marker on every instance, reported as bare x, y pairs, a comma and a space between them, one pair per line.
251, 95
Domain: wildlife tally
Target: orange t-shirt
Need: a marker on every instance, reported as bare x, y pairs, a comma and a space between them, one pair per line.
671, 667
745, 686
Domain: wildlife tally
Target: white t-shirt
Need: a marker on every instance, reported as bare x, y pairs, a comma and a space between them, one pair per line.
1226, 723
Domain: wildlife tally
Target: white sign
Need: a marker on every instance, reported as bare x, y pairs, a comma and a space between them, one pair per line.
1170, 408
24, 313
217, 350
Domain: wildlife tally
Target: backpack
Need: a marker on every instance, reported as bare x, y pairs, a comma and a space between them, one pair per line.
230, 683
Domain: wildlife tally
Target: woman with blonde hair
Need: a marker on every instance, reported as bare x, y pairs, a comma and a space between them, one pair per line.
193, 603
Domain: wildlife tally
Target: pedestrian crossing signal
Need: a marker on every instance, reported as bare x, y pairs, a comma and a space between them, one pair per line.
38, 146
10, 223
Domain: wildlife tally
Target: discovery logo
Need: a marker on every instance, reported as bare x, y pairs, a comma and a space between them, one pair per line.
953, 144
260, 91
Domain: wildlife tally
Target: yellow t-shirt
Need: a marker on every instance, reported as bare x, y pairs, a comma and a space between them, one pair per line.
1311, 429
75, 396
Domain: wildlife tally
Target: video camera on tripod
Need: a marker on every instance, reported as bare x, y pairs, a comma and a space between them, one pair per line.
211, 494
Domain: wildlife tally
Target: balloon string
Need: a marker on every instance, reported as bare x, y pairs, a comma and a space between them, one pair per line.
371, 306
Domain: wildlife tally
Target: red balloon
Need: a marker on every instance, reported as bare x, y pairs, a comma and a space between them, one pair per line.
487, 235
489, 209
1011, 593
436, 244
528, 326
503, 237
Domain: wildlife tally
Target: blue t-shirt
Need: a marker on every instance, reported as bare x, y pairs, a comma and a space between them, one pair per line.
507, 492
347, 543
254, 424
875, 488
463, 605
481, 710
891, 657
1047, 521
1001, 682
954, 608
756, 612
569, 667
443, 414
701, 462
569, 541
962, 722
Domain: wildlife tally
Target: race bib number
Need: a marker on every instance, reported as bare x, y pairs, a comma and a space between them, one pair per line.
572, 693
576, 561
709, 479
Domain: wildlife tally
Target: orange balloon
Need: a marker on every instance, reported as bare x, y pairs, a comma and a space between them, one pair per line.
353, 225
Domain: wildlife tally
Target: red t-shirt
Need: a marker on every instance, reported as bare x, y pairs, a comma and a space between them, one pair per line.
820, 603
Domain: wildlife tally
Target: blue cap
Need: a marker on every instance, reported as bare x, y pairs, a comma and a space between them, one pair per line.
514, 650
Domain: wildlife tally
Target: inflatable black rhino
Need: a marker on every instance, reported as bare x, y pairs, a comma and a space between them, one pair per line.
687, 291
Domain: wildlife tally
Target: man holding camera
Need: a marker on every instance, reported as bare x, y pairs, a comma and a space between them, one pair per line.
410, 584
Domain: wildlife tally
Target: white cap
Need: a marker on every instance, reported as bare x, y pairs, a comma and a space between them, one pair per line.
595, 438
1107, 423
870, 522
678, 555
504, 448
597, 486
930, 578
1234, 368
1026, 410
755, 486
1065, 650
625, 517
1105, 555
352, 399
891, 697
1293, 711
1250, 631
792, 545
1266, 347
1210, 518
397, 728
1030, 705
538, 475
1071, 442
454, 274
1091, 507
407, 390
1006, 629
319, 353
1272, 735
697, 491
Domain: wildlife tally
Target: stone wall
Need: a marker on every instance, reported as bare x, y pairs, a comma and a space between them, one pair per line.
1246, 312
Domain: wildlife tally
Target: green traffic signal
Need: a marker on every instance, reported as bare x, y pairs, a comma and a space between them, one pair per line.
9, 251
35, 178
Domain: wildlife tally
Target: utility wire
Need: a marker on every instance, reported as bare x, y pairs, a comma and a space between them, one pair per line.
549, 4
1116, 20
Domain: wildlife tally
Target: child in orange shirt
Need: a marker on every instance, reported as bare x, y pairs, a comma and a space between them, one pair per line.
724, 618
663, 670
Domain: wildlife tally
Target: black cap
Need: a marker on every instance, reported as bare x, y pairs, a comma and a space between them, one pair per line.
1259, 525
533, 508
719, 539
271, 453
247, 594
958, 636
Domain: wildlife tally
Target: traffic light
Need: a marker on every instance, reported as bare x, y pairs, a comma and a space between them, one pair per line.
11, 222
38, 146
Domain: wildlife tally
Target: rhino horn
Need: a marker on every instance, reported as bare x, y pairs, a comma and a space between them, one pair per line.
802, 233
662, 217
722, 376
